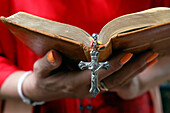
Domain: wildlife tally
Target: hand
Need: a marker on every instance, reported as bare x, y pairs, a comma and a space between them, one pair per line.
125, 81
43, 85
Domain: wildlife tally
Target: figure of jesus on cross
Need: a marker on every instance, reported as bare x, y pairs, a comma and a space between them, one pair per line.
94, 66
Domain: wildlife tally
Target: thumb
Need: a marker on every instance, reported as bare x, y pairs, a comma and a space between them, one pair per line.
52, 60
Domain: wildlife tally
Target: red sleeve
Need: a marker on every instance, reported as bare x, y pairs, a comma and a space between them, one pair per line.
6, 68
7, 46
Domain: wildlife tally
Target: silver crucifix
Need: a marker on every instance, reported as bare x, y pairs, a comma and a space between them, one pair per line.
94, 66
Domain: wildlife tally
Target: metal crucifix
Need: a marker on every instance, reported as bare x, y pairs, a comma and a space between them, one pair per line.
94, 66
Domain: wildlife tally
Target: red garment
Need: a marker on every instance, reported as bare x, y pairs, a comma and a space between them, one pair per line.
90, 15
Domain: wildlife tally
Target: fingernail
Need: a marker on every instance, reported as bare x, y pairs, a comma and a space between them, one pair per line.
152, 63
126, 58
50, 56
152, 57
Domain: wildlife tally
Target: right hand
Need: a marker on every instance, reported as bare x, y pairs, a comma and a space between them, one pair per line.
45, 85
42, 85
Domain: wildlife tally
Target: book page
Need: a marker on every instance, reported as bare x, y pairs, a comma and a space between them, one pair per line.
52, 27
134, 21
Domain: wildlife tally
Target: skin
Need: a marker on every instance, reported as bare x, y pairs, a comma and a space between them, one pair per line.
48, 87
128, 80
139, 81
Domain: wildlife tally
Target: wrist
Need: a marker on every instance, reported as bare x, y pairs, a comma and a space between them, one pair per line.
29, 87
23, 85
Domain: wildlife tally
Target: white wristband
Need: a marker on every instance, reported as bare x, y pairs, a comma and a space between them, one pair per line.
19, 89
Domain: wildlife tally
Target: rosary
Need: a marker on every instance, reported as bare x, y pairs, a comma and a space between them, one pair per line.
94, 66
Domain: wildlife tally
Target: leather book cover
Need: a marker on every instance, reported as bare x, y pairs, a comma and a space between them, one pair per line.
155, 37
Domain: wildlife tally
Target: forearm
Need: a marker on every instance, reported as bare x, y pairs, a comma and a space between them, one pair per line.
8, 92
9, 88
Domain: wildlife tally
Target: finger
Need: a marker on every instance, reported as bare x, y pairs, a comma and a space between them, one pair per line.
83, 77
76, 79
128, 80
152, 62
129, 70
46, 64
116, 63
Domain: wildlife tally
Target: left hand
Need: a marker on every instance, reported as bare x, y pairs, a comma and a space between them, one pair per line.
125, 81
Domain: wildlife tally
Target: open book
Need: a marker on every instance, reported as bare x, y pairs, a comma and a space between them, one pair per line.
136, 32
